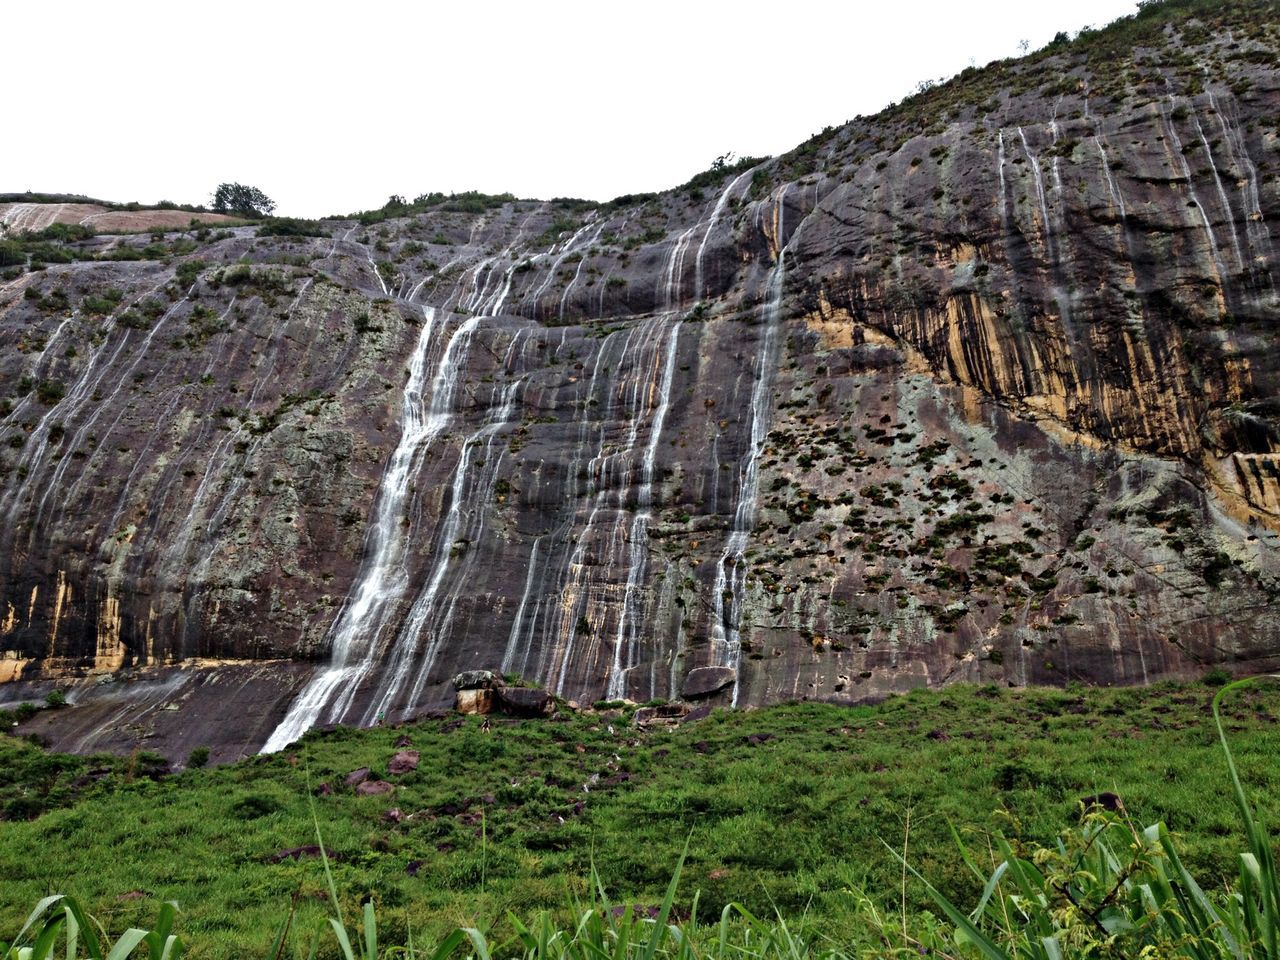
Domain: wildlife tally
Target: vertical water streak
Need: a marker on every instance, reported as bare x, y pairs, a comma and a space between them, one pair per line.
699, 287
383, 576
422, 615
1041, 197
1117, 198
629, 619
1222, 192
1181, 157
730, 582
518, 624
675, 269
1004, 187
1255, 226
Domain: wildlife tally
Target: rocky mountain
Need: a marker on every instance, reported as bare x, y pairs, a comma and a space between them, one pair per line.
980, 388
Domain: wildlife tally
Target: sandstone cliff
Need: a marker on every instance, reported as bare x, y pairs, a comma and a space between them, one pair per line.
982, 388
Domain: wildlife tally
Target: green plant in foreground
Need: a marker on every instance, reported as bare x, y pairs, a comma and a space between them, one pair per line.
62, 917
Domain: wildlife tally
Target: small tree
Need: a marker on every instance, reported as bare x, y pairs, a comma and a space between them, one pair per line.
246, 201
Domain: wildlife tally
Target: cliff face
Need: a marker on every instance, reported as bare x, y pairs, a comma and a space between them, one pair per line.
990, 395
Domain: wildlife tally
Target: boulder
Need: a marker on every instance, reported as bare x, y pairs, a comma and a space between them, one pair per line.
704, 681
667, 715
372, 788
526, 702
405, 761
697, 713
474, 700
357, 777
475, 680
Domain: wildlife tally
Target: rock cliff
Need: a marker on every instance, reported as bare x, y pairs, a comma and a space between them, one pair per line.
981, 388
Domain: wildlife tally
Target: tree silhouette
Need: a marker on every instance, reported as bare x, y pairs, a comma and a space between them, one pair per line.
237, 198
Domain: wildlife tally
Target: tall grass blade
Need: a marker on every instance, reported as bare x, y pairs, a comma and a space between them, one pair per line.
370, 932
984, 944
128, 940
43, 947
35, 916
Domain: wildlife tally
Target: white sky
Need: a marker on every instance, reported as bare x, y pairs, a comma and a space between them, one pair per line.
330, 107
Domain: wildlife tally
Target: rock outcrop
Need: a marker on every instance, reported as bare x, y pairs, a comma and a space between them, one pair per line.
982, 388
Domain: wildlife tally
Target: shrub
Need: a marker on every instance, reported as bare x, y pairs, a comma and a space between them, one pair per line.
291, 227
198, 758
189, 270
255, 805
12, 254
50, 392
1217, 677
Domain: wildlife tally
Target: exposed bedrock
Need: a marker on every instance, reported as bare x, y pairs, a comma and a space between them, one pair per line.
993, 402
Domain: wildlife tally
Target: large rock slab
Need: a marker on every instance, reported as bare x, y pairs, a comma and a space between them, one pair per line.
526, 702
474, 700
704, 681
475, 680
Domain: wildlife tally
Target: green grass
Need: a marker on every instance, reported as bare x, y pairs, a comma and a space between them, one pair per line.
783, 809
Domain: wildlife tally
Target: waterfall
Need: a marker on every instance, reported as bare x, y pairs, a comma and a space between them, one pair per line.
1222, 192
1256, 232
517, 625
675, 270
383, 577
699, 287
1004, 187
1181, 158
1117, 199
1034, 161
629, 388
424, 616
731, 574
639, 554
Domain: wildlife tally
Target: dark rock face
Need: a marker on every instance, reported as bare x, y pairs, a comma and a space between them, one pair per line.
997, 401
703, 681
525, 702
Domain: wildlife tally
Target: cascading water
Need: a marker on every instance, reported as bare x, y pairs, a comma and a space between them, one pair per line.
699, 287
1004, 187
731, 573
1034, 162
429, 615
626, 387
1255, 226
1228, 216
1117, 198
383, 577
1181, 157
629, 621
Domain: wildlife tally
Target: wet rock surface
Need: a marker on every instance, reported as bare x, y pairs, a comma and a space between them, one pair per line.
993, 401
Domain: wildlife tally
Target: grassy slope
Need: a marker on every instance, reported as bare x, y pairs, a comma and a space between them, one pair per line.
792, 821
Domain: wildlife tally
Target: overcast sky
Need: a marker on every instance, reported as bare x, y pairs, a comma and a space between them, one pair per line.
331, 107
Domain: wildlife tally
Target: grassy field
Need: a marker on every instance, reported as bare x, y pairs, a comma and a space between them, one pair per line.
784, 809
